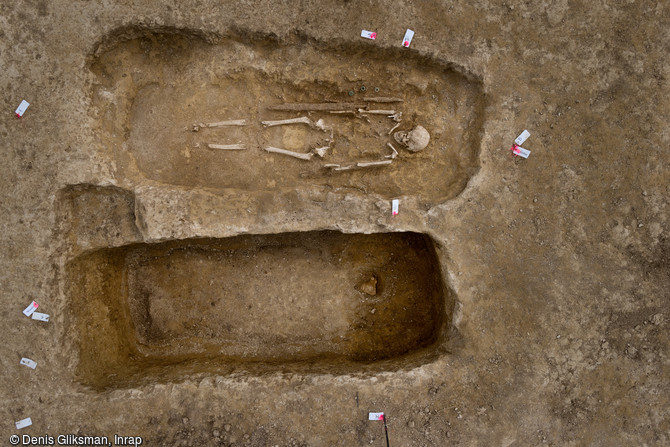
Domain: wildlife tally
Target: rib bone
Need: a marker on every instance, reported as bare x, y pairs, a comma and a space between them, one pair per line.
196, 127
227, 147
276, 150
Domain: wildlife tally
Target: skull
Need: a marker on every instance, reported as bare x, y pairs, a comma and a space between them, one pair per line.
415, 140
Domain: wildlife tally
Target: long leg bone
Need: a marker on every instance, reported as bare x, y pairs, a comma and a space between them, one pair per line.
369, 164
378, 112
276, 150
336, 167
395, 152
196, 127
302, 120
227, 147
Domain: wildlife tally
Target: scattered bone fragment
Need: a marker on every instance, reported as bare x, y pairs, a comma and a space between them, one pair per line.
382, 99
322, 106
321, 151
377, 112
396, 117
370, 164
276, 150
322, 126
415, 140
369, 287
227, 147
393, 128
197, 126
394, 154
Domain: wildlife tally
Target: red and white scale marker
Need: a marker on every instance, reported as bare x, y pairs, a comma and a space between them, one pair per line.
369, 34
30, 312
395, 203
22, 108
409, 34
380, 417
516, 147
408, 38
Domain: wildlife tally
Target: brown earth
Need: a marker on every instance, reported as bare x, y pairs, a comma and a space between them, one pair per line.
207, 297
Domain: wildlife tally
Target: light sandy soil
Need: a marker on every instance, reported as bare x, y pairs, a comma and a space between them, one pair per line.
539, 287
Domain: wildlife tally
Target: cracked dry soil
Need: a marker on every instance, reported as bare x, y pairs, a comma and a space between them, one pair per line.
244, 298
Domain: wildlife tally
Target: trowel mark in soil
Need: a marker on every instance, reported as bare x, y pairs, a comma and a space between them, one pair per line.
152, 90
314, 302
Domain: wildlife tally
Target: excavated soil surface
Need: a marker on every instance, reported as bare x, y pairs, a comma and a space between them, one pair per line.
203, 297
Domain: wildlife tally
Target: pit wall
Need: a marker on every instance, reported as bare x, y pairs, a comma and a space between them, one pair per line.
315, 302
183, 204
152, 90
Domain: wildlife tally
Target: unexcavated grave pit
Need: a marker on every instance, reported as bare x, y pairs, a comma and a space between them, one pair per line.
152, 89
313, 302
